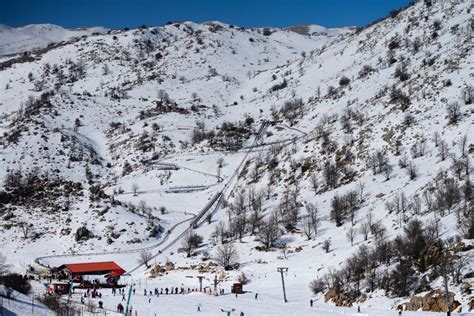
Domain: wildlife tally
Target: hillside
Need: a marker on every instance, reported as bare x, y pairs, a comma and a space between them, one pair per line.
342, 154
37, 36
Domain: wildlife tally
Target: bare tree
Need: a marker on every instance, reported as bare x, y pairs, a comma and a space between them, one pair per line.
350, 234
436, 138
454, 112
269, 233
227, 256
163, 96
442, 150
360, 189
313, 216
416, 204
220, 162
256, 216
145, 258
220, 231
238, 225
327, 245
135, 189
190, 242
25, 229
463, 145
331, 175
4, 267
314, 182
412, 171
284, 250
308, 227
387, 171
370, 217
364, 229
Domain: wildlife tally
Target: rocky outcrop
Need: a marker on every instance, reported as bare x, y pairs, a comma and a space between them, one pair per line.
434, 301
339, 299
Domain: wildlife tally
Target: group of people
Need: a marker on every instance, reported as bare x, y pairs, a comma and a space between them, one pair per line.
94, 293
120, 291
311, 302
172, 290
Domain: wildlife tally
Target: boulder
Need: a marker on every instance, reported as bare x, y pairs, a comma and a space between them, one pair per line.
433, 301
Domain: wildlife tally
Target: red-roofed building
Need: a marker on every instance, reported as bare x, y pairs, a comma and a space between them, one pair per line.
92, 268
87, 271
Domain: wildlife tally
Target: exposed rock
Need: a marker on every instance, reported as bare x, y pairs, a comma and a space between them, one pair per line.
433, 301
82, 233
339, 299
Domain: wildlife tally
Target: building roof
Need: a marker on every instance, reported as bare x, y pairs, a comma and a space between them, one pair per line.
107, 266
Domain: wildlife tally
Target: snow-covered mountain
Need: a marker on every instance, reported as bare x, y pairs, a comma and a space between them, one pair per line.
34, 36
318, 146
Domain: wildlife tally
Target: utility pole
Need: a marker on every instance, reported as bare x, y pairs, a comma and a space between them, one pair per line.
200, 277
128, 300
281, 270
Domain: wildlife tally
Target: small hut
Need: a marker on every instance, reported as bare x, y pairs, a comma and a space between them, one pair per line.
237, 288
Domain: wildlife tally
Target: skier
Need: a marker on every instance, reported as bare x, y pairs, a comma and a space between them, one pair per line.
242, 313
144, 292
199, 307
311, 302
358, 309
256, 296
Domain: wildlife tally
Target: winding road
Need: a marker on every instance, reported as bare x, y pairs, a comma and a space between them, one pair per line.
196, 219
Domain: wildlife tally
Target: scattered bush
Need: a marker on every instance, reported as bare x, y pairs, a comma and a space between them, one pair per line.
16, 282
344, 81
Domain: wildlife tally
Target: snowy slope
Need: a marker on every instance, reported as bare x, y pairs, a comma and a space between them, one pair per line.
108, 123
20, 304
29, 37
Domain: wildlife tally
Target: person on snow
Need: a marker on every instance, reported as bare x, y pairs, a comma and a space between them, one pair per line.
144, 292
311, 302
199, 307
256, 296
358, 309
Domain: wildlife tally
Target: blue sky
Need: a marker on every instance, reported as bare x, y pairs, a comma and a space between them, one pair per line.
247, 13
